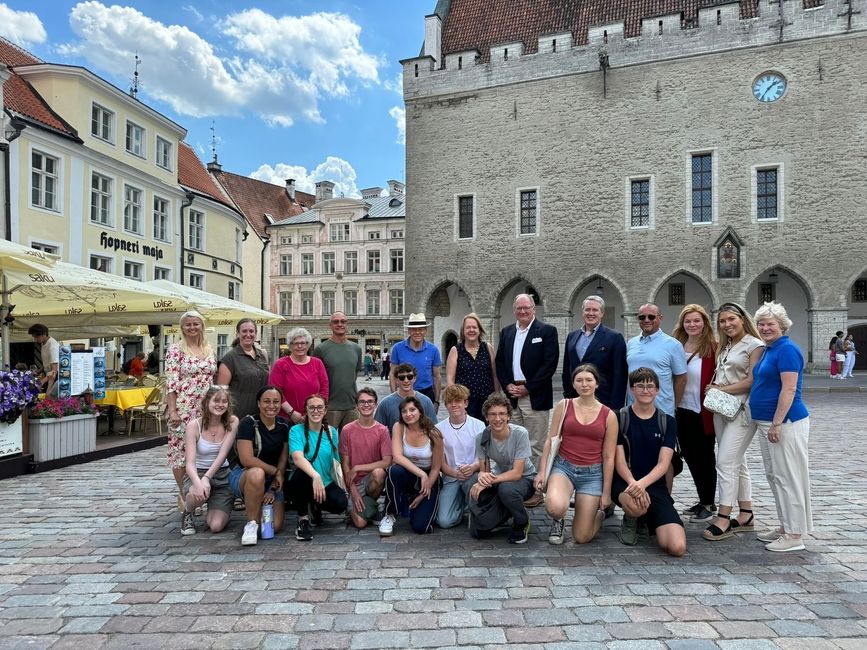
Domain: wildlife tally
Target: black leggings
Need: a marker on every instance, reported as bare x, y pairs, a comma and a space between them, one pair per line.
299, 493
698, 452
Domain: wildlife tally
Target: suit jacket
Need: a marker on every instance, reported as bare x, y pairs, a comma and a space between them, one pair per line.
607, 351
539, 358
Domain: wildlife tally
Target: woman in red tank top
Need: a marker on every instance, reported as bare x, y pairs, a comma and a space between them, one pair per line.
584, 462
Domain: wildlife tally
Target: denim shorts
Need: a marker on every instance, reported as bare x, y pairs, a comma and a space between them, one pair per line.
585, 480
235, 483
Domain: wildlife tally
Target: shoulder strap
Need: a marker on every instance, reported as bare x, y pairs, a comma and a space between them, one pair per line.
316, 451
623, 421
662, 421
257, 436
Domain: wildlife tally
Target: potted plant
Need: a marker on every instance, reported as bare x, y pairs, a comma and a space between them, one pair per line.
62, 427
18, 391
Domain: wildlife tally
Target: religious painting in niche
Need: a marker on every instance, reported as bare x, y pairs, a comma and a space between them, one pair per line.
728, 259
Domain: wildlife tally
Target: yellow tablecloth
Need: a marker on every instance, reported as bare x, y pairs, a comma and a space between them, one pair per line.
125, 398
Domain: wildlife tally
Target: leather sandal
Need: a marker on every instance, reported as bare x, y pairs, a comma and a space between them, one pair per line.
746, 527
714, 533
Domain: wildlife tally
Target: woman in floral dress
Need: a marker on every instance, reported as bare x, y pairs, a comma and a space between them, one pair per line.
190, 369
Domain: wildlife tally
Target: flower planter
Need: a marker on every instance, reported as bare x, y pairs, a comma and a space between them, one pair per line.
54, 438
10, 438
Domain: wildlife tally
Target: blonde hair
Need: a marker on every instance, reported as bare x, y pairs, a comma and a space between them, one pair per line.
475, 317
202, 343
746, 319
706, 340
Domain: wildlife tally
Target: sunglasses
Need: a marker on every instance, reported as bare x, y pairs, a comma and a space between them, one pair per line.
338, 322
405, 377
650, 317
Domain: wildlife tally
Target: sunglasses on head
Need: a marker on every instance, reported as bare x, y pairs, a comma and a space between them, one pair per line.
405, 377
650, 317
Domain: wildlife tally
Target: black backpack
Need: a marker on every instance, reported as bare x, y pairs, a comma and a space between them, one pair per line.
662, 422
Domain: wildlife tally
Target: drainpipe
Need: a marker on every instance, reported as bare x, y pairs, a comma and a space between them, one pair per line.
265, 241
17, 126
187, 202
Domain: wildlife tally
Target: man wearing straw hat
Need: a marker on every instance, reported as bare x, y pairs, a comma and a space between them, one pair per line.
422, 355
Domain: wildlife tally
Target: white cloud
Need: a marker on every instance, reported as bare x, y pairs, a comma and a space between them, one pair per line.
195, 12
395, 85
399, 116
21, 27
279, 77
333, 169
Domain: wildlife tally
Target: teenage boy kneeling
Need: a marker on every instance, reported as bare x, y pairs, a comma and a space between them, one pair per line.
645, 446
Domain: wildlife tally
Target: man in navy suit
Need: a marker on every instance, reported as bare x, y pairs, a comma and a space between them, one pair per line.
526, 361
604, 347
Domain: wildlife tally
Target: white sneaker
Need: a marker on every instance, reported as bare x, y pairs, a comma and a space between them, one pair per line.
786, 543
386, 526
251, 534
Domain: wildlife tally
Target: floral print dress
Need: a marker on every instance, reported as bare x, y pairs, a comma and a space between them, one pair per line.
189, 377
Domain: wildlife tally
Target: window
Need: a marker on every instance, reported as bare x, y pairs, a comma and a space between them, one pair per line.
197, 231
133, 270
350, 262
164, 153
307, 264
767, 292
44, 180
397, 260
859, 290
45, 248
373, 235
327, 303
373, 261
285, 303
197, 281
238, 241
285, 241
350, 302
329, 265
222, 345
285, 265
306, 239
372, 296
135, 139
306, 303
132, 220
101, 123
234, 292
702, 188
466, 225
339, 232
161, 219
161, 273
640, 204
397, 234
676, 293
100, 200
100, 263
396, 296
528, 225
766, 194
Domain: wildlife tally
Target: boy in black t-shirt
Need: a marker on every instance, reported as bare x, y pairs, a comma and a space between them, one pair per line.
645, 447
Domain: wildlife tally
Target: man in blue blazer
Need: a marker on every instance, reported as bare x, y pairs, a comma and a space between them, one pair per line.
604, 347
526, 361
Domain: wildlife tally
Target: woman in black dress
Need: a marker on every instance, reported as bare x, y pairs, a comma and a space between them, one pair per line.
471, 364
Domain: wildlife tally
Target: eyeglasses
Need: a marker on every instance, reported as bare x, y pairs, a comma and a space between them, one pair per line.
315, 409
644, 388
338, 322
366, 402
298, 343
524, 308
405, 377
650, 317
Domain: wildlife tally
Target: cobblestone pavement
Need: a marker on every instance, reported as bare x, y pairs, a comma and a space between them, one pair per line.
91, 557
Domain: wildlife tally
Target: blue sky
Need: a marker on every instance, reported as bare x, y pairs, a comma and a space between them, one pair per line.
309, 89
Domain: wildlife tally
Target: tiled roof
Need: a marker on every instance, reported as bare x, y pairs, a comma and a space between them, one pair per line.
20, 98
193, 175
479, 24
257, 198
386, 207
307, 217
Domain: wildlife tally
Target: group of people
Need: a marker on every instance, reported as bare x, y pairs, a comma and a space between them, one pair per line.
842, 352
633, 412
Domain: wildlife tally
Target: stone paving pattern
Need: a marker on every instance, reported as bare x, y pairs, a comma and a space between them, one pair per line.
91, 557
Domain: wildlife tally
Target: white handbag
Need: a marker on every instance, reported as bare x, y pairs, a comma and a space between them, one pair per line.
555, 442
724, 404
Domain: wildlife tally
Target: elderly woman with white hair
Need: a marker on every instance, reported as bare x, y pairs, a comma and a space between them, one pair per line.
783, 425
298, 375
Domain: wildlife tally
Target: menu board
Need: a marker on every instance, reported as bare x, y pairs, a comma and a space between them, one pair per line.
80, 371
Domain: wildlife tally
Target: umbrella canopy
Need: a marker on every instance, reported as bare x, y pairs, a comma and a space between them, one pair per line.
216, 310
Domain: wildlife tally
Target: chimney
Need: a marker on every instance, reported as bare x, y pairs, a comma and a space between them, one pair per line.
290, 189
396, 188
214, 167
324, 191
433, 34
371, 193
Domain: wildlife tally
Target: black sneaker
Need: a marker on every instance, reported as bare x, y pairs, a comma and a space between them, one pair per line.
303, 532
692, 510
519, 534
703, 515
316, 516
609, 511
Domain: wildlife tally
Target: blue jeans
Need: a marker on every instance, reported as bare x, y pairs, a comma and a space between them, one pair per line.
585, 480
454, 497
399, 480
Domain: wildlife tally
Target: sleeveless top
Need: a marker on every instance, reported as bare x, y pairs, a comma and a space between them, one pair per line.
476, 373
207, 451
421, 457
581, 444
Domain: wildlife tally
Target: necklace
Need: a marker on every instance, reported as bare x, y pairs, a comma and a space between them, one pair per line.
456, 427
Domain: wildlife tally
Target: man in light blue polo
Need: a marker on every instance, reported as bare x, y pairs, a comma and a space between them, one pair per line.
663, 354
422, 355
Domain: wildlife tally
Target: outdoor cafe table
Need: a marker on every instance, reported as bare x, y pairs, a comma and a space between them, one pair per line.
122, 398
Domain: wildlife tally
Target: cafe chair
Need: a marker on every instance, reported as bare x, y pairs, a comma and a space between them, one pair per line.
152, 409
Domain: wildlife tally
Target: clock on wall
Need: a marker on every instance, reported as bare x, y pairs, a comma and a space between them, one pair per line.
769, 87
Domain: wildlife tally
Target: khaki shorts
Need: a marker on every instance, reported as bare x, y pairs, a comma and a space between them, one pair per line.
221, 497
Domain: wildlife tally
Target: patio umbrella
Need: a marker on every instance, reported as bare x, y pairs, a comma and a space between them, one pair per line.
216, 310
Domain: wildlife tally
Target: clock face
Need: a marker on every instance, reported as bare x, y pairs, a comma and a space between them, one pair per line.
769, 87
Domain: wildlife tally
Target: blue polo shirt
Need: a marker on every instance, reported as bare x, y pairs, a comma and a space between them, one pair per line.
662, 354
780, 356
423, 360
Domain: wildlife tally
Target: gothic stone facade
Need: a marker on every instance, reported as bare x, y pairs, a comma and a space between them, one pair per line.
600, 167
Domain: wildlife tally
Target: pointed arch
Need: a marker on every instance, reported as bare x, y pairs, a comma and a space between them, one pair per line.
800, 280
574, 295
696, 276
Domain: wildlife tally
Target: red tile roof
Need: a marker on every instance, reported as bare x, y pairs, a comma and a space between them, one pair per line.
257, 198
479, 24
193, 175
20, 98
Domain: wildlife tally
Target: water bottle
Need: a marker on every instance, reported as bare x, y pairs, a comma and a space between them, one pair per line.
267, 521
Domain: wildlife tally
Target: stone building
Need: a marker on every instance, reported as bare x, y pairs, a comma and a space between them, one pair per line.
670, 151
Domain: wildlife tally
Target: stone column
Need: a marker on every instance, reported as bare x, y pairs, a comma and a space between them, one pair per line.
823, 324
630, 325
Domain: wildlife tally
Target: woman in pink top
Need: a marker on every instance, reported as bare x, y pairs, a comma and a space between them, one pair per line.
299, 375
584, 464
